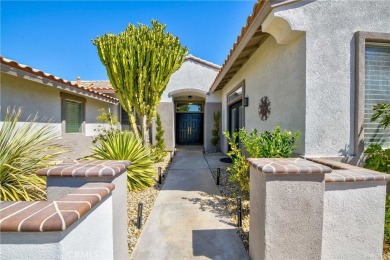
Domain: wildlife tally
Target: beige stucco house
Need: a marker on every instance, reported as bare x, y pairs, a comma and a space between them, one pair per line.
187, 105
313, 66
71, 109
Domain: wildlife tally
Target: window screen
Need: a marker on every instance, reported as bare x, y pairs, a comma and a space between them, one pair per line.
377, 90
73, 116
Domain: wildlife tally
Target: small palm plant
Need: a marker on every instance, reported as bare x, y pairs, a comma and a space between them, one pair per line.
125, 146
24, 149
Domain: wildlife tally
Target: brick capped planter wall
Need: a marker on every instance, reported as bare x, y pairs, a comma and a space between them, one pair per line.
315, 209
84, 217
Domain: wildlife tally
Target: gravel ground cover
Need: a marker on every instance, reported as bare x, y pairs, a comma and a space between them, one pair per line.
230, 192
147, 197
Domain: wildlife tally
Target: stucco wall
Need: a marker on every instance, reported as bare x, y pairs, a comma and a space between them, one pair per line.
353, 220
209, 111
37, 98
91, 107
330, 27
32, 97
193, 78
82, 240
167, 115
58, 187
191, 75
281, 227
278, 72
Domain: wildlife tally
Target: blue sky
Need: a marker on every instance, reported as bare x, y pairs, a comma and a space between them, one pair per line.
56, 36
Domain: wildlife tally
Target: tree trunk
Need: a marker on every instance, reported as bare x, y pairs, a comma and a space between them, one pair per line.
144, 129
133, 125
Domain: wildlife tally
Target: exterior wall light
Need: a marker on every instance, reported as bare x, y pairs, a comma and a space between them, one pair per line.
246, 101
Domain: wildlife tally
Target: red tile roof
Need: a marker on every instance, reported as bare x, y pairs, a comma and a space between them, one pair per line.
205, 62
17, 65
106, 85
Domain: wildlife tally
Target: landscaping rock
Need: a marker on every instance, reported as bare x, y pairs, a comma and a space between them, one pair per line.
147, 197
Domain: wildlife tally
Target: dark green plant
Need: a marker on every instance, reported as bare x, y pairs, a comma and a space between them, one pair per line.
215, 132
139, 63
125, 146
24, 149
378, 159
110, 124
158, 152
387, 220
276, 144
382, 112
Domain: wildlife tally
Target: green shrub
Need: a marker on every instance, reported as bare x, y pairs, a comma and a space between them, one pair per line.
125, 146
215, 132
239, 170
24, 149
158, 152
387, 220
378, 159
382, 112
106, 118
276, 144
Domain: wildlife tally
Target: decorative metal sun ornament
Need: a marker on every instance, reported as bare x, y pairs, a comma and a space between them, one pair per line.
264, 108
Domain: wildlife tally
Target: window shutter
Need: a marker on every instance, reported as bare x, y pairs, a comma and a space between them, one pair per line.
377, 90
73, 116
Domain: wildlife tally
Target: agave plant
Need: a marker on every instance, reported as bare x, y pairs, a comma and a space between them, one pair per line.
24, 149
125, 146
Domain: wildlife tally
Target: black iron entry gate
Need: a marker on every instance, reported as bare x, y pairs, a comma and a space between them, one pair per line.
189, 128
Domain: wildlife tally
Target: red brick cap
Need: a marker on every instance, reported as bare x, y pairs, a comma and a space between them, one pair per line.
45, 216
86, 168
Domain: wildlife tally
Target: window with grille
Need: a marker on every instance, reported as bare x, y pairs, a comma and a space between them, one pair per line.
73, 113
377, 90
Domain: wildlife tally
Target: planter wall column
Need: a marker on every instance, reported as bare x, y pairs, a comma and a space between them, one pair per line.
66, 177
287, 203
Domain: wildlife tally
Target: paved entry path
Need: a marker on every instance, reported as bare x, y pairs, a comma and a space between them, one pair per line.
188, 219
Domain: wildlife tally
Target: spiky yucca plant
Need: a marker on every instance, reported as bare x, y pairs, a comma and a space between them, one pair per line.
125, 146
24, 149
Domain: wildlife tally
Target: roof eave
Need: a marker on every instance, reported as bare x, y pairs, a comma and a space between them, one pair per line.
16, 69
260, 16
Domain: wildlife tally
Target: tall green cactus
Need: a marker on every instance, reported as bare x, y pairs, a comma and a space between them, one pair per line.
139, 63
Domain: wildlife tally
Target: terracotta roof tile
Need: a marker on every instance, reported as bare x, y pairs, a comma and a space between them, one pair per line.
40, 73
96, 84
106, 85
205, 62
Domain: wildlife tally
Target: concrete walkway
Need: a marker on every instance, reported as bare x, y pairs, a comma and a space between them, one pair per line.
188, 219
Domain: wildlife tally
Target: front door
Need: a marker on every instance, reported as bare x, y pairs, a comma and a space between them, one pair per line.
189, 128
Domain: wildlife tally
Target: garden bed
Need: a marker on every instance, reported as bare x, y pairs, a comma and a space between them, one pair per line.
147, 197
230, 192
